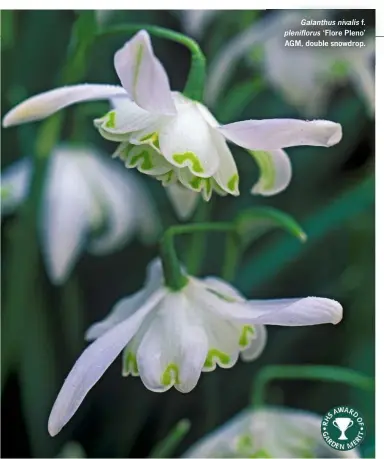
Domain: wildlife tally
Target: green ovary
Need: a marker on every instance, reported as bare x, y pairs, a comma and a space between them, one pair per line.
216, 355
247, 333
181, 158
170, 375
233, 182
267, 168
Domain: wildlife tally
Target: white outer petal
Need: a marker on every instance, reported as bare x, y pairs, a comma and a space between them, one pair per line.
129, 305
222, 287
193, 352
92, 364
273, 134
286, 312
298, 311
189, 132
143, 76
66, 215
183, 200
275, 172
15, 180
227, 171
45, 104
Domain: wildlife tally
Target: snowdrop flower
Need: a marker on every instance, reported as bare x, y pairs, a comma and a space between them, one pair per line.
170, 337
194, 22
175, 139
304, 75
89, 202
268, 433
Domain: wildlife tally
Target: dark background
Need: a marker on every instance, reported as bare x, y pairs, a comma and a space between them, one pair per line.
331, 195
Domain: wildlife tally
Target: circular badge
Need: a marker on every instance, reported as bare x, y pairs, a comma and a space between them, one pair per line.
343, 428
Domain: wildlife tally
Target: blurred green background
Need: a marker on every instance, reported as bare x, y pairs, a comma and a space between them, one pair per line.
331, 196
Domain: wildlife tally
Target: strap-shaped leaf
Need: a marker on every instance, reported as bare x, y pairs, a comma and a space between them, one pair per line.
83, 34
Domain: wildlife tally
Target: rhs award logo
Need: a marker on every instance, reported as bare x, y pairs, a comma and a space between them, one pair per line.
343, 428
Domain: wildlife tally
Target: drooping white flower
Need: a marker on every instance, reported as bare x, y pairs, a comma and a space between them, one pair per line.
305, 75
194, 22
268, 433
175, 139
88, 202
170, 337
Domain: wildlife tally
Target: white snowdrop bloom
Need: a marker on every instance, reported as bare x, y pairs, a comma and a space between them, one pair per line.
195, 22
304, 75
270, 432
175, 139
89, 202
170, 337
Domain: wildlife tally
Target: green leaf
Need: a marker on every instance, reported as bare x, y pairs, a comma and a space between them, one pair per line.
168, 445
274, 256
238, 99
253, 223
37, 374
83, 34
7, 29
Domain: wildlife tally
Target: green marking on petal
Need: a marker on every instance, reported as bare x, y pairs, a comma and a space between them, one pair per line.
6, 192
216, 355
146, 163
167, 178
139, 58
222, 296
181, 158
267, 168
261, 454
233, 182
208, 186
110, 119
340, 68
170, 375
123, 151
196, 183
247, 333
130, 365
244, 442
152, 139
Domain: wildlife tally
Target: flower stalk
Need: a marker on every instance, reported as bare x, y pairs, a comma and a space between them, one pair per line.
194, 88
310, 372
173, 275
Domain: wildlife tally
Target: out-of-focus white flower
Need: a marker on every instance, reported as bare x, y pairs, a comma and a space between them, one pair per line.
170, 337
194, 22
268, 433
72, 450
175, 139
305, 75
88, 202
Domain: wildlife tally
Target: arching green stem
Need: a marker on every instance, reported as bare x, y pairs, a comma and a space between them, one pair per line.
166, 447
194, 87
174, 277
312, 372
